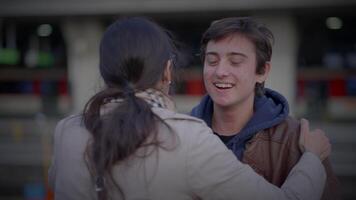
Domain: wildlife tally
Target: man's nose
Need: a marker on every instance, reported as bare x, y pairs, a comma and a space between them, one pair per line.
221, 70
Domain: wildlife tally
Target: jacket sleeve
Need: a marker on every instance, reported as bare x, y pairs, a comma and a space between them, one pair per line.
213, 172
332, 185
53, 167
69, 176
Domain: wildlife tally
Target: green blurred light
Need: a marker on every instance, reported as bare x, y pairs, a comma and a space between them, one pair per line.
9, 56
333, 23
44, 30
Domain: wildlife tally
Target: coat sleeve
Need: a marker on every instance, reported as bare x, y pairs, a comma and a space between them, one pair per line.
69, 176
53, 167
213, 172
332, 186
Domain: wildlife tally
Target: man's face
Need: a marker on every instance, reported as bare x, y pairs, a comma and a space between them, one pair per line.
230, 70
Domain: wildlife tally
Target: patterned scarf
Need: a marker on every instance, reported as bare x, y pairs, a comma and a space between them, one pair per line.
153, 97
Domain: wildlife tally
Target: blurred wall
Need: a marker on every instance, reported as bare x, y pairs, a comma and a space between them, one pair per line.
83, 32
83, 38
283, 72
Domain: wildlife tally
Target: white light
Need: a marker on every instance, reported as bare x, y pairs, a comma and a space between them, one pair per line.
44, 30
333, 23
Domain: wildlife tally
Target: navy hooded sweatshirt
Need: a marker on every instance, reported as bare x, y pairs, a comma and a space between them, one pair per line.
269, 110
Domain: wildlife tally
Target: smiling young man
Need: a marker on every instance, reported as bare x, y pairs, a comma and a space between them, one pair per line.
251, 120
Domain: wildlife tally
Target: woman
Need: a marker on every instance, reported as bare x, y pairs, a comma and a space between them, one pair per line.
130, 144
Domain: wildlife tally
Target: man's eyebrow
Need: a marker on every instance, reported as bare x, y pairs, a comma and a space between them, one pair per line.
211, 53
229, 54
237, 54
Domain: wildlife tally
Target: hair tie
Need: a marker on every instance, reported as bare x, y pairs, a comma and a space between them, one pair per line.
129, 89
99, 183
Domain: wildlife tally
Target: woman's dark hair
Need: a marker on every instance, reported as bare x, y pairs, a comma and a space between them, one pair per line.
133, 56
257, 33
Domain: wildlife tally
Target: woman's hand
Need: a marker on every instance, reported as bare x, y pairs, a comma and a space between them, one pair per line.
314, 141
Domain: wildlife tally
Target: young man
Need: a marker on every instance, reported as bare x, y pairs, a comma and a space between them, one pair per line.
252, 121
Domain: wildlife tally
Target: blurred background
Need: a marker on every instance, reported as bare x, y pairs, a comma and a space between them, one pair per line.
49, 69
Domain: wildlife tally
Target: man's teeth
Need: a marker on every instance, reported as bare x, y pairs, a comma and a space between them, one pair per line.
223, 85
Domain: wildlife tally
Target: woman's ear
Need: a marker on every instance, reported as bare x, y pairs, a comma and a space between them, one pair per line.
167, 74
263, 77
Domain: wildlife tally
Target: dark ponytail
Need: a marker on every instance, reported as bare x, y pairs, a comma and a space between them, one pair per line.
117, 134
133, 56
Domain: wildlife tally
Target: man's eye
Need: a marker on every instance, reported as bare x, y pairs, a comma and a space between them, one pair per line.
212, 63
235, 63
210, 60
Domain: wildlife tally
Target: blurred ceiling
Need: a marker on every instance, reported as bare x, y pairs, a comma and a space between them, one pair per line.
13, 8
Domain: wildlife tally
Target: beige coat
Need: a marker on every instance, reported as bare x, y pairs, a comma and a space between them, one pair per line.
199, 167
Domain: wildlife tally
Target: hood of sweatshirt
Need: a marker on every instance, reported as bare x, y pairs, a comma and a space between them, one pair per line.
269, 110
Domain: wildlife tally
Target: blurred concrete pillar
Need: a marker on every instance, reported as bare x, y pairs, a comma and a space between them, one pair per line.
284, 57
82, 38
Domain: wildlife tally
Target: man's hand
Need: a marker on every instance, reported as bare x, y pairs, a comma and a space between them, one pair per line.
314, 141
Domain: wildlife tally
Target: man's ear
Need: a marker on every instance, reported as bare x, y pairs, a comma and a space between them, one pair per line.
263, 77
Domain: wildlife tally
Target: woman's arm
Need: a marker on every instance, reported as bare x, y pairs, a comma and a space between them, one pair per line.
213, 172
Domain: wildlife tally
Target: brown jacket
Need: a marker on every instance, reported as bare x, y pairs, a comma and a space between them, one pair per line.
273, 152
